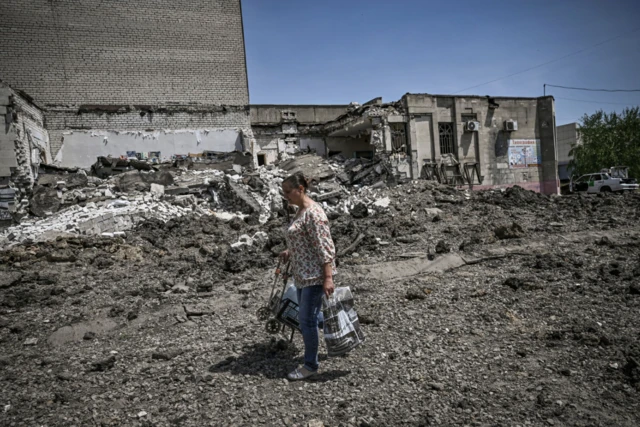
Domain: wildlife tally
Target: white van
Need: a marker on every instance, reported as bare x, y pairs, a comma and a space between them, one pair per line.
600, 182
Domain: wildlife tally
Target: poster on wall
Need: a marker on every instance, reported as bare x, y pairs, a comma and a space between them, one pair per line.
524, 153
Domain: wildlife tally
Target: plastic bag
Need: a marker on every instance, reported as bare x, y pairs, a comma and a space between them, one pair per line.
289, 308
342, 331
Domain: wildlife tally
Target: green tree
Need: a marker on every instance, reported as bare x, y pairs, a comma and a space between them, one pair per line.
608, 140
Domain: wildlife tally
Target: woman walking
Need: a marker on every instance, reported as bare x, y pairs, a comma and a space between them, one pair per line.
312, 254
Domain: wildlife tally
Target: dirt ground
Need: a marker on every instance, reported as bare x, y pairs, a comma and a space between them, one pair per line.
495, 308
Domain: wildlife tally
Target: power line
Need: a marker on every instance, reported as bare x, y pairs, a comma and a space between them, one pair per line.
552, 61
597, 102
594, 90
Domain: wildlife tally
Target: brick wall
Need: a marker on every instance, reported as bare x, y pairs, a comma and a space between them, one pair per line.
76, 52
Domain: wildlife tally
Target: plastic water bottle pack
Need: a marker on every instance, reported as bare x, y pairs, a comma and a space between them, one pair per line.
342, 331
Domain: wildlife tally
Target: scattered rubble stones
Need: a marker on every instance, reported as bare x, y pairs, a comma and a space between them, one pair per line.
442, 247
104, 364
512, 231
360, 211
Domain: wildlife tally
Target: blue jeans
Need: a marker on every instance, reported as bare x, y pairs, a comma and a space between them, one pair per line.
310, 318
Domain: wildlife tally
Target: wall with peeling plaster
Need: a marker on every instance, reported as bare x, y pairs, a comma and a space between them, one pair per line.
316, 144
143, 119
267, 145
81, 148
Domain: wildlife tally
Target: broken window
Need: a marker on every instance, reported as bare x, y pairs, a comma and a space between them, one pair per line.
262, 160
398, 137
447, 142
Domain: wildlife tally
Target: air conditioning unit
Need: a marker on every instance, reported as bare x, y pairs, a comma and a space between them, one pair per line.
510, 125
471, 126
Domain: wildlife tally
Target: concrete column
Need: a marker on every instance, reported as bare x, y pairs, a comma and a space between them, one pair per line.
386, 137
412, 145
549, 180
436, 135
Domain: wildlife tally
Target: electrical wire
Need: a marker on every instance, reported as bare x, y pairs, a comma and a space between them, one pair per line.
594, 90
598, 102
552, 61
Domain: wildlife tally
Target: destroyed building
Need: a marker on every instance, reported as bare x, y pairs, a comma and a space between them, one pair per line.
175, 87
474, 141
24, 145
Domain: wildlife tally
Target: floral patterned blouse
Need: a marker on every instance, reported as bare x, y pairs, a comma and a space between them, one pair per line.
310, 245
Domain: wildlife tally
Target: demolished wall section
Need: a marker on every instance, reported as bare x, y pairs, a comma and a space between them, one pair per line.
61, 120
24, 144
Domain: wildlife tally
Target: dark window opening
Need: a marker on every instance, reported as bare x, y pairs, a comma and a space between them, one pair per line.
447, 141
399, 137
262, 160
363, 154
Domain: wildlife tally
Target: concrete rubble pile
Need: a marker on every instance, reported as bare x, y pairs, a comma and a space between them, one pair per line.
337, 184
75, 202
111, 218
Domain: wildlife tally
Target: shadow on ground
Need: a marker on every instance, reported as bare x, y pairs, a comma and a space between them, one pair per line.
273, 360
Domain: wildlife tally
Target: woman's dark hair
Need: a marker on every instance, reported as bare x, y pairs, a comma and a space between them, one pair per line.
296, 180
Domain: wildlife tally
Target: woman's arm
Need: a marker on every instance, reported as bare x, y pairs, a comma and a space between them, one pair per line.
324, 247
327, 283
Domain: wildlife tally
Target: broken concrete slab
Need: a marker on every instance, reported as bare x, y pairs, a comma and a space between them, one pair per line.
314, 167
433, 211
185, 201
136, 180
326, 196
76, 332
71, 180
401, 269
157, 189
44, 200
249, 204
199, 309
382, 203
176, 191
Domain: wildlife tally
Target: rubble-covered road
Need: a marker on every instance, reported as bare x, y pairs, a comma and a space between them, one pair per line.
495, 308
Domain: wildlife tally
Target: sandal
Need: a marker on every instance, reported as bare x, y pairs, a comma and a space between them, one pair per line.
301, 373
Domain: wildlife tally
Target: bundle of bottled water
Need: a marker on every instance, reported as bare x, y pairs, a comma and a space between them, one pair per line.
342, 331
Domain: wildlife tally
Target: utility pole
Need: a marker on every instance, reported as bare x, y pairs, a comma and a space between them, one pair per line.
544, 89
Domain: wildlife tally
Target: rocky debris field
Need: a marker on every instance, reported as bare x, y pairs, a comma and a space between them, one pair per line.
494, 308
111, 200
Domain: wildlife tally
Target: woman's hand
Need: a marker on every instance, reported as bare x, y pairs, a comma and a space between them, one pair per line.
284, 256
328, 286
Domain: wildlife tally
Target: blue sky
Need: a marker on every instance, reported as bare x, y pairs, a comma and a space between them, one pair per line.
335, 52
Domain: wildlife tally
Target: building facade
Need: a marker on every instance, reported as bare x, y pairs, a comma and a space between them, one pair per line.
474, 141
